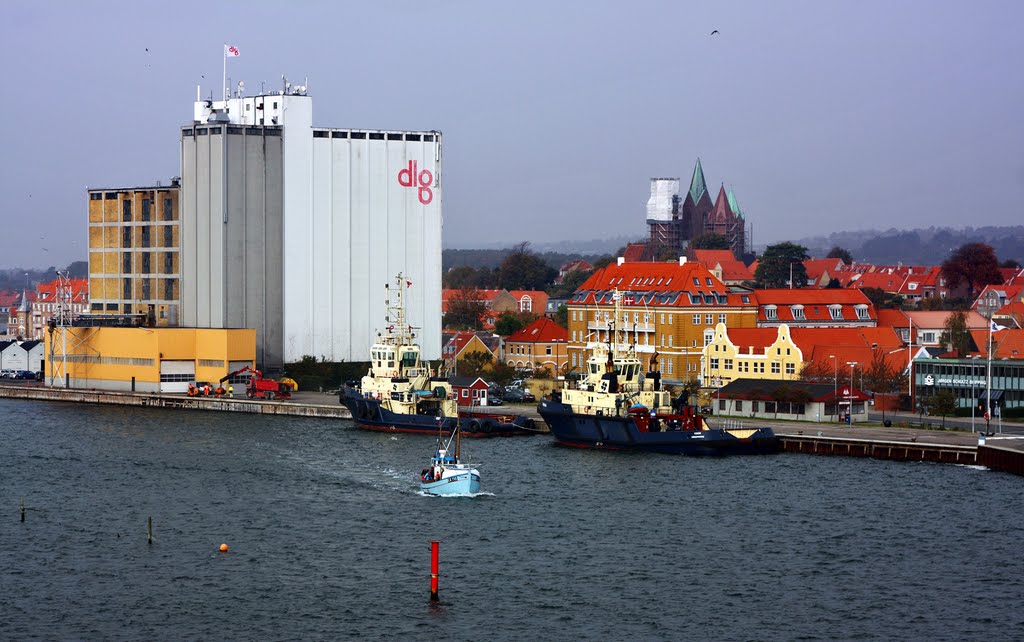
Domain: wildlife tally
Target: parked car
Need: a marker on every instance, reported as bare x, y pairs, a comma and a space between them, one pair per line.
7, 374
517, 395
25, 374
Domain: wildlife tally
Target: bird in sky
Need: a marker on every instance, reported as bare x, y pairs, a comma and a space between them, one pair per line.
714, 32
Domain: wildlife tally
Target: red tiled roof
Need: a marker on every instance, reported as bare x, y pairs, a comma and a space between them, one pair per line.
710, 257
935, 320
635, 252
816, 267
543, 330
880, 280
757, 338
79, 290
849, 344
1006, 344
892, 319
661, 285
815, 304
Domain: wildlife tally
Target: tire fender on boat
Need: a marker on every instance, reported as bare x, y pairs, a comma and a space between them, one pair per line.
487, 425
474, 426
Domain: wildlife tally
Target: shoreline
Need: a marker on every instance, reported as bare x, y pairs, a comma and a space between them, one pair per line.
899, 444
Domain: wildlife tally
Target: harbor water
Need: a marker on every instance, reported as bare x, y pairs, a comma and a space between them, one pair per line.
329, 538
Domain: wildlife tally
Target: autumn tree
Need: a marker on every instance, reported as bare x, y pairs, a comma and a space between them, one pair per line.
818, 372
465, 309
973, 264
778, 263
562, 316
882, 376
465, 276
840, 253
955, 333
525, 270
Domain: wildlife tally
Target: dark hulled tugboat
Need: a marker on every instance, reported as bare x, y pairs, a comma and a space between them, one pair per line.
401, 394
616, 407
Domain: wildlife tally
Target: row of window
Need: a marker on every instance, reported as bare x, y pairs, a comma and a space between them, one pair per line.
523, 349
744, 367
771, 312
708, 317
145, 236
145, 292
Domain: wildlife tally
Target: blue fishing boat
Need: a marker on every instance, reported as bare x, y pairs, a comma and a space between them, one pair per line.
447, 474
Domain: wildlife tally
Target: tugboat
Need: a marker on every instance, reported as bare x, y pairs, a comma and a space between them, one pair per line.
615, 407
447, 474
401, 394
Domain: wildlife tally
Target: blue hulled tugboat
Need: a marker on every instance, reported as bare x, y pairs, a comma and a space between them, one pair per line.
616, 407
401, 394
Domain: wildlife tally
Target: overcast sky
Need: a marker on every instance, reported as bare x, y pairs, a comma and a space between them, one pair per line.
822, 116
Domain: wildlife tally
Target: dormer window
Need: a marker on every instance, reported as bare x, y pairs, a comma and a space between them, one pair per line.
798, 312
862, 312
696, 281
771, 313
912, 286
836, 311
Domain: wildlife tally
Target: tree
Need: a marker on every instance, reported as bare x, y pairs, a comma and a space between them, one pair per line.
474, 364
778, 262
562, 316
572, 282
955, 334
509, 323
1010, 263
818, 372
943, 403
710, 241
525, 270
465, 309
973, 264
881, 376
840, 253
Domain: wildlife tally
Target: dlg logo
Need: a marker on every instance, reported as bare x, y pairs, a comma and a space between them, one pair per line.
409, 177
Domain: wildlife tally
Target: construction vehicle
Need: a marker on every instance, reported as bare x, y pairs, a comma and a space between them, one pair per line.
260, 388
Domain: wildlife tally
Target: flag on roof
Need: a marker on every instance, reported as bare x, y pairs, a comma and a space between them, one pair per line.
231, 51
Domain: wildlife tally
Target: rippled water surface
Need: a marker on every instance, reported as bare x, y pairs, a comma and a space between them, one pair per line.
329, 538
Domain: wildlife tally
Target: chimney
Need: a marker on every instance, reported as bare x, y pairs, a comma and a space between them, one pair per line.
682, 260
621, 260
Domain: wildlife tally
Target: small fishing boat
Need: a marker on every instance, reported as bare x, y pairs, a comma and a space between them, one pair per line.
447, 474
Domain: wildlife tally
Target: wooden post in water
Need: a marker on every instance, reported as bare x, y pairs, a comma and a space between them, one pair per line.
434, 554
22, 509
150, 541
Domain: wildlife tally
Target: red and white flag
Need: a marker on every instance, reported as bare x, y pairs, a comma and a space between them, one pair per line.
230, 51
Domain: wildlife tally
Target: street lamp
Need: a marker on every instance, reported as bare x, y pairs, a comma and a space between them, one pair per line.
852, 364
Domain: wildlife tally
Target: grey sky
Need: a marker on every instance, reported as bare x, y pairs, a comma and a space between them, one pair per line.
822, 116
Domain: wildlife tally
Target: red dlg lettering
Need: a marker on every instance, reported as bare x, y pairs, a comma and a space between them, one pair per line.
408, 177
426, 179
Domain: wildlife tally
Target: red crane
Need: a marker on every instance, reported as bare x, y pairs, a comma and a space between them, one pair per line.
260, 388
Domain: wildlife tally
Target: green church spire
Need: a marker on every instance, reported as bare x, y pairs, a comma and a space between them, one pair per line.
734, 205
697, 186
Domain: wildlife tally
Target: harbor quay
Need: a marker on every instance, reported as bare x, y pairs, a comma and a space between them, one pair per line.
999, 452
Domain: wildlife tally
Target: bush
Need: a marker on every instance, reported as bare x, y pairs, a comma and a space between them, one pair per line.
312, 374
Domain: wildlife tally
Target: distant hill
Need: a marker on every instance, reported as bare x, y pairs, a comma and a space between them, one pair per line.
923, 246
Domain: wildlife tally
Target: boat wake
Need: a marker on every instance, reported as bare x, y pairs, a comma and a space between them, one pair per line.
480, 494
973, 466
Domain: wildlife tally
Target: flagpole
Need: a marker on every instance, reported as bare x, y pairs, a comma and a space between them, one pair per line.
224, 83
988, 377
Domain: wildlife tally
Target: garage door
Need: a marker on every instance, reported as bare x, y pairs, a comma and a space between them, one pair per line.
234, 366
176, 375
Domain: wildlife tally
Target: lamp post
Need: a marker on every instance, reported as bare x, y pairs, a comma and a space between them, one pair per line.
835, 384
852, 364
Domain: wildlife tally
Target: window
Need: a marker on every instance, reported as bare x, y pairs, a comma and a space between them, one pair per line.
708, 279
168, 236
126, 262
775, 367
721, 318
547, 350
696, 319
465, 393
95, 196
728, 364
755, 406
836, 311
759, 367
168, 263
145, 209
739, 405
126, 288
771, 312
145, 236
709, 318
790, 369
721, 404
696, 281
714, 363
126, 237
145, 288
168, 212
574, 315
169, 289
862, 312
798, 313
146, 268
126, 210
709, 336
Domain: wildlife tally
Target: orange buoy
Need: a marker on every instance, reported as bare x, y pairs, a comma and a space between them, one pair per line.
223, 548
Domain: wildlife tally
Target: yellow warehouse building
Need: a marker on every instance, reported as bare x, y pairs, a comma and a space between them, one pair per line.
144, 359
